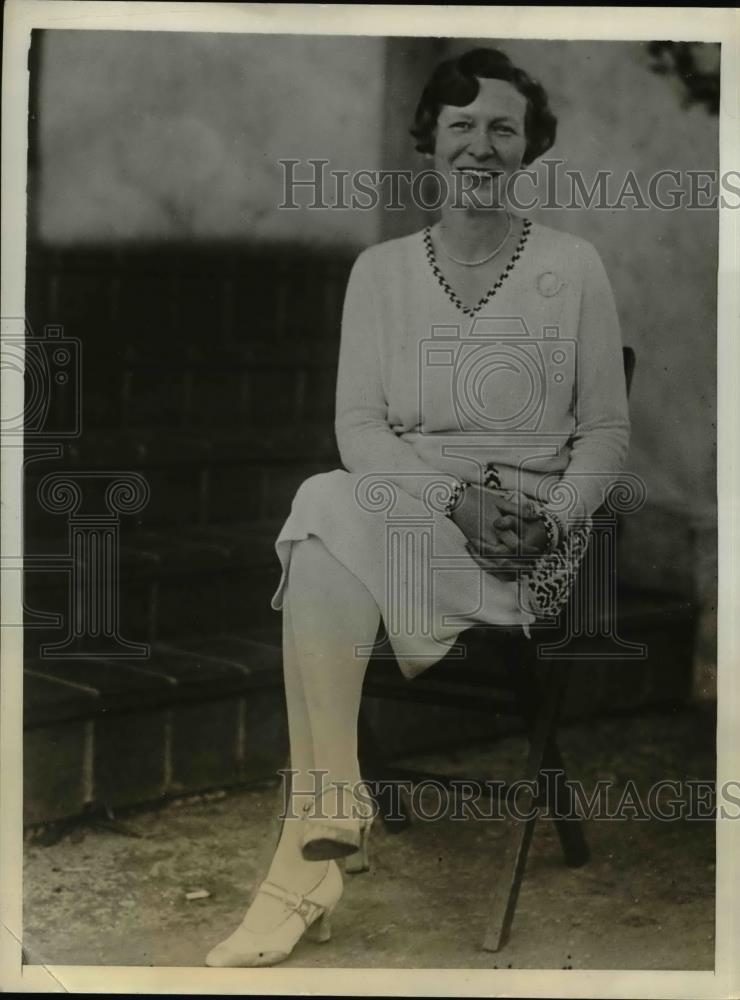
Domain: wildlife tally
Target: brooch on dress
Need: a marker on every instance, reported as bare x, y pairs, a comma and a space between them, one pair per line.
549, 284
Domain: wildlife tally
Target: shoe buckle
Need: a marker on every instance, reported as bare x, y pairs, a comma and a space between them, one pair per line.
299, 904
305, 909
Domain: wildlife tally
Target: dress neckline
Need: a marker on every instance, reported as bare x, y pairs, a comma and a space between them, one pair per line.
449, 290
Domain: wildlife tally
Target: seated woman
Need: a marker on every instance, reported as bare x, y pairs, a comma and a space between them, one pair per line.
481, 412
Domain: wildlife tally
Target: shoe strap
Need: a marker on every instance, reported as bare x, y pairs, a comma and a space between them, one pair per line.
306, 909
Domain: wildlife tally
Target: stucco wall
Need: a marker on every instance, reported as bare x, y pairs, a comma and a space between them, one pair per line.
165, 135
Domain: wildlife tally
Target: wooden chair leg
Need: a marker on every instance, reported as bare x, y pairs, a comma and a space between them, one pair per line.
559, 794
560, 799
519, 831
387, 790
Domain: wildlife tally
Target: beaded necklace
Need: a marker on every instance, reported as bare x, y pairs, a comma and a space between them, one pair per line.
447, 288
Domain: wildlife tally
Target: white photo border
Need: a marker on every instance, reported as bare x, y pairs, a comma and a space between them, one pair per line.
592, 23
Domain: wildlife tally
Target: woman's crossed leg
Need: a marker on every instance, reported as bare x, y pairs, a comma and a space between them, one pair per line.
330, 621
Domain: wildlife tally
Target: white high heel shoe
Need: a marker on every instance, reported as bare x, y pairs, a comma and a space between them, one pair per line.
308, 915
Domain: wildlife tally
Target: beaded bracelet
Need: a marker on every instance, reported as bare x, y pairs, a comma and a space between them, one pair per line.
457, 492
491, 478
553, 528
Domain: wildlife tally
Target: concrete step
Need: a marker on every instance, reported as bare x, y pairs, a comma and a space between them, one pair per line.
183, 581
190, 670
195, 715
207, 712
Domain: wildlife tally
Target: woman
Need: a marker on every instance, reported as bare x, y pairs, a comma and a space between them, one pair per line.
480, 364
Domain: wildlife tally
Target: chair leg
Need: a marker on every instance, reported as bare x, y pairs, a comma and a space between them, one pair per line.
393, 808
560, 800
559, 794
520, 830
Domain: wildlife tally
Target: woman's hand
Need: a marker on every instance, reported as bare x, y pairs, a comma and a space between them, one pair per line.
520, 527
503, 537
475, 515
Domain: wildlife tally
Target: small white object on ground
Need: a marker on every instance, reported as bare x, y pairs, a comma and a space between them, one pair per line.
197, 894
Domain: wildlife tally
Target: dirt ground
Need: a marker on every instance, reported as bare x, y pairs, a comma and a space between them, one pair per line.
116, 894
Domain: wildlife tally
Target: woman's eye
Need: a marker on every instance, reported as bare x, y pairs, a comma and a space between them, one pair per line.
460, 126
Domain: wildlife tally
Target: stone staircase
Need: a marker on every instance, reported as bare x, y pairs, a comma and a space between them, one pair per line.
207, 374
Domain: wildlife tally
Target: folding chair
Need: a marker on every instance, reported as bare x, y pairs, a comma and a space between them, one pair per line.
515, 683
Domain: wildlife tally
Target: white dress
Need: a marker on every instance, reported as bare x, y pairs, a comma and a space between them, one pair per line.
529, 384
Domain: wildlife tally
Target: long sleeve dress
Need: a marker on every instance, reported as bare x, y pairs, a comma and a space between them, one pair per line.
525, 390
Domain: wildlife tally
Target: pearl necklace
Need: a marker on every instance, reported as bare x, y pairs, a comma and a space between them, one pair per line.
483, 260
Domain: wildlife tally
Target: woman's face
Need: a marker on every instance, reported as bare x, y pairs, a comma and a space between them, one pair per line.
480, 146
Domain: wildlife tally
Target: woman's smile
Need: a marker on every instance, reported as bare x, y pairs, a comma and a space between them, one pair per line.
480, 173
486, 139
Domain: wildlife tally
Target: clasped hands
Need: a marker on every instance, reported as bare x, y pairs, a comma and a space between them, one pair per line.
504, 531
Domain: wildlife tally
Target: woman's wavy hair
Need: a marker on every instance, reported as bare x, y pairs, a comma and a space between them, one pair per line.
455, 82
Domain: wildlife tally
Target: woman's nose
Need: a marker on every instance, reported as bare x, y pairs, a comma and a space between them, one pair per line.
480, 144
